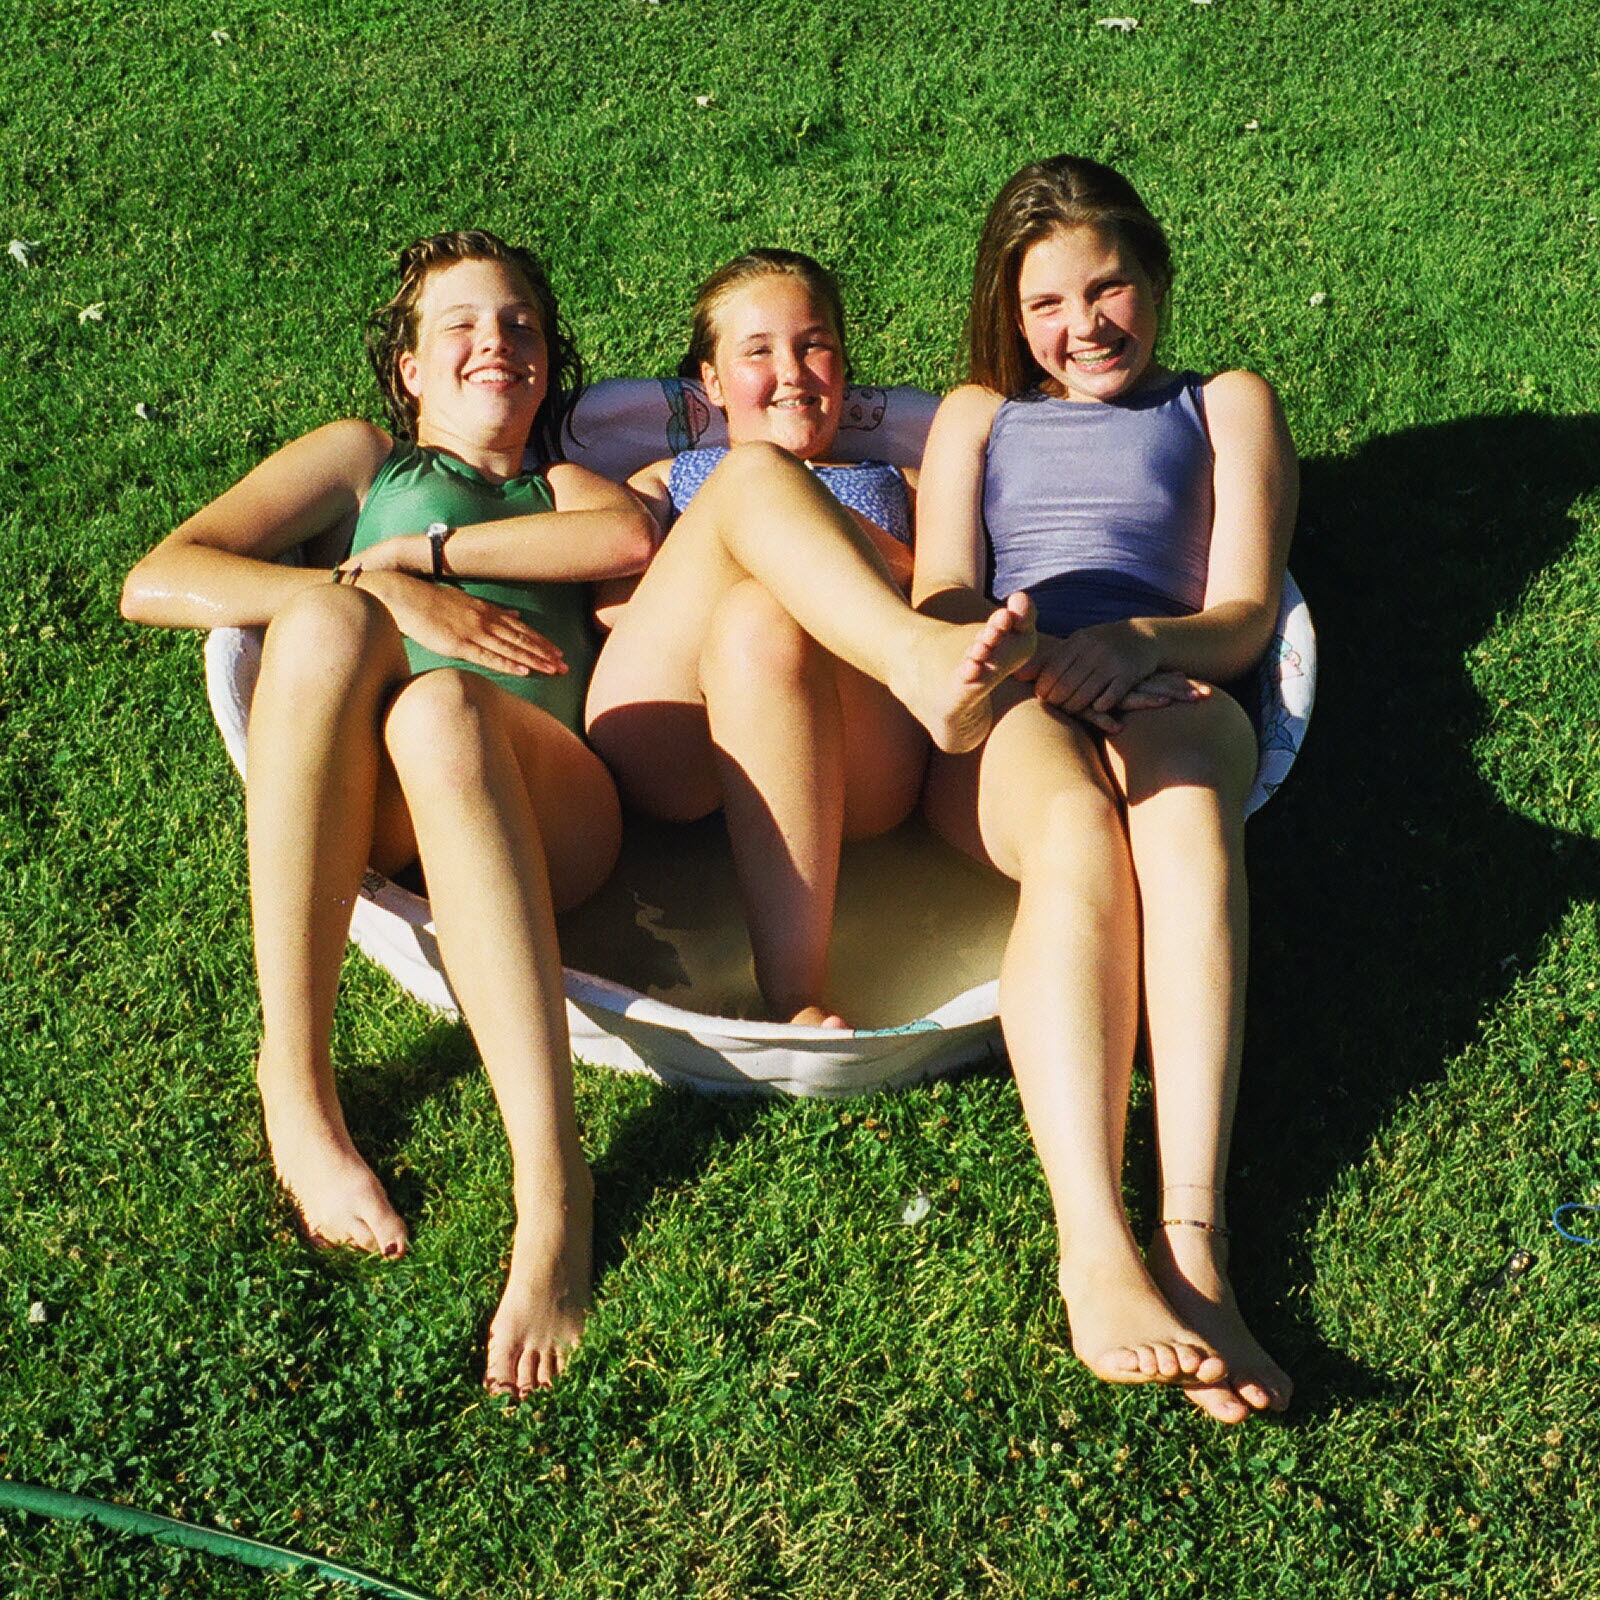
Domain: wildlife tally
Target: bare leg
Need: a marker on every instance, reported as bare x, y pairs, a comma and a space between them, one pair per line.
778, 731
717, 689
808, 752
1187, 769
311, 796
490, 781
1046, 816
762, 515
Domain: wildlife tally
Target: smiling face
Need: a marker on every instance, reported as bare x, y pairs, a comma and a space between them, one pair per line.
480, 367
1089, 314
778, 371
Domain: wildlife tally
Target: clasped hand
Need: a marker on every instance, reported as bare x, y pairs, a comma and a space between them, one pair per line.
1097, 672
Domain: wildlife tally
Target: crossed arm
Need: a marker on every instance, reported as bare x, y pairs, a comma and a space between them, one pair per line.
221, 567
1099, 671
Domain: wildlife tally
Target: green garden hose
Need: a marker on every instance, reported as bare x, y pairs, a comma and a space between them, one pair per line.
214, 1541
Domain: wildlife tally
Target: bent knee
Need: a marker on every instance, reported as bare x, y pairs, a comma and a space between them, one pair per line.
1069, 830
747, 477
752, 643
1207, 745
442, 719
755, 461
331, 631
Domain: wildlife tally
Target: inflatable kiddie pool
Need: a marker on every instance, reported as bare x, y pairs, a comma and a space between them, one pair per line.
659, 977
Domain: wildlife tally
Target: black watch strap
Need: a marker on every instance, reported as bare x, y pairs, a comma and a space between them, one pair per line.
437, 533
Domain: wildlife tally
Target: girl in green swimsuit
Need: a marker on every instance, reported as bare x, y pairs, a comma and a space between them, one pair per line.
400, 718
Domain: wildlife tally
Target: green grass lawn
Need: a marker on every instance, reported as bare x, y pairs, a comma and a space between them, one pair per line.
1393, 212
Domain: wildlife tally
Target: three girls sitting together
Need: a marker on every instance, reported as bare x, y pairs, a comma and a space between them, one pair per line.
763, 657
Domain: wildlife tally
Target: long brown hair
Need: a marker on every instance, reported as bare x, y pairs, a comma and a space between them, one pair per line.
1044, 198
819, 283
392, 331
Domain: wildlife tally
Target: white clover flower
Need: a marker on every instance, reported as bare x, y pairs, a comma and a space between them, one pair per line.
1320, 298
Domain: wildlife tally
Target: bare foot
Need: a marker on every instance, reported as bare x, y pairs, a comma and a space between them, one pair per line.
337, 1194
541, 1314
1189, 1266
1124, 1332
947, 687
816, 1017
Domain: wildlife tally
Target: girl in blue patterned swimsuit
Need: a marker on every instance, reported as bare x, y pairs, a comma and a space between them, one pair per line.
709, 693
1148, 513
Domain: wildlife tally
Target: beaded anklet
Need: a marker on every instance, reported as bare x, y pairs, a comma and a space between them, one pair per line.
1189, 1222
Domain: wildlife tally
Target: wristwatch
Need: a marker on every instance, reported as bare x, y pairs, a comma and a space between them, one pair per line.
437, 533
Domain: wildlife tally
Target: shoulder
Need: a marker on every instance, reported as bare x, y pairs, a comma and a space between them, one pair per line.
969, 409
960, 431
1235, 398
351, 451
575, 488
1250, 439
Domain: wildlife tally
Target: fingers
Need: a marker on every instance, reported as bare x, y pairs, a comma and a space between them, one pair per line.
513, 646
491, 636
1170, 686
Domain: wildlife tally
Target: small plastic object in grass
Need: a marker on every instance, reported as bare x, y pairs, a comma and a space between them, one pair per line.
1517, 1265
1566, 1210
213, 1541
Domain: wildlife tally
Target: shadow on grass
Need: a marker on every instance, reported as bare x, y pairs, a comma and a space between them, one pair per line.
662, 1146
1395, 897
381, 1103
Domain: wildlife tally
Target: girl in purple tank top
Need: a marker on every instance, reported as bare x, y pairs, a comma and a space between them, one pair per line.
1148, 514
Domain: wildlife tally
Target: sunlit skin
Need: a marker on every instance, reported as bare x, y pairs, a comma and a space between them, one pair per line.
1089, 315
779, 370
1127, 847
480, 368
354, 760
738, 674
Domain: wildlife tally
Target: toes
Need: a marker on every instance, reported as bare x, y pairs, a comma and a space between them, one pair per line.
816, 1017
529, 1373
389, 1237
1124, 1364
356, 1235
520, 1373
1262, 1394
1218, 1401
502, 1374
1159, 1363
1169, 1363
